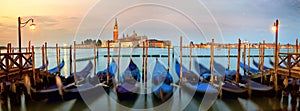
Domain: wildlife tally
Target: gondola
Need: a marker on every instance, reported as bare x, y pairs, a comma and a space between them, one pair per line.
93, 86
229, 88
256, 87
161, 82
43, 67
55, 69
251, 70
272, 63
191, 81
81, 75
85, 91
55, 93
258, 65
127, 88
101, 76
205, 72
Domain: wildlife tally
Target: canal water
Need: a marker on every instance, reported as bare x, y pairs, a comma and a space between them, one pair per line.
181, 100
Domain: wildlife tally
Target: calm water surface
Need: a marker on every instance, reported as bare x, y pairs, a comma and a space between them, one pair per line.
180, 101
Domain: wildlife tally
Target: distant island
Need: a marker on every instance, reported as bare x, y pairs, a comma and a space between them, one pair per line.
91, 42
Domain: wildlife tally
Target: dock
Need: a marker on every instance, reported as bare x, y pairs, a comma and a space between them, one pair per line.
14, 65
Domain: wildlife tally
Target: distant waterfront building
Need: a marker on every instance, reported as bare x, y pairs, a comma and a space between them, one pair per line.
116, 31
159, 43
133, 41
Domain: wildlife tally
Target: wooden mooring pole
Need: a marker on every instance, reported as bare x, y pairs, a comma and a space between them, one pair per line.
7, 62
20, 62
180, 59
70, 59
180, 78
212, 60
190, 62
143, 63
33, 66
146, 63
43, 56
249, 57
263, 61
228, 57
173, 53
238, 62
260, 61
46, 56
168, 58
119, 53
29, 46
244, 58
57, 58
277, 47
297, 47
74, 55
95, 57
108, 62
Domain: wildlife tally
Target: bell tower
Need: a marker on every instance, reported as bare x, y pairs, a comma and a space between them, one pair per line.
116, 32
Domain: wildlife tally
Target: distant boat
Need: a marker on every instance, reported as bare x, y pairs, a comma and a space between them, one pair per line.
191, 82
258, 65
81, 75
127, 89
101, 76
251, 70
203, 71
273, 64
161, 80
55, 69
43, 67
229, 88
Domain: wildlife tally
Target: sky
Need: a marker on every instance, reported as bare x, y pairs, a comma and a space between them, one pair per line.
65, 21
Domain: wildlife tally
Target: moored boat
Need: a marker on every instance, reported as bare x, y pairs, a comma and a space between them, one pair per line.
256, 64
229, 88
55, 69
255, 87
161, 82
57, 91
193, 84
128, 86
247, 68
101, 76
81, 75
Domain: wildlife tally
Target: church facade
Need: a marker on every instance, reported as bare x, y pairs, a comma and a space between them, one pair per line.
134, 40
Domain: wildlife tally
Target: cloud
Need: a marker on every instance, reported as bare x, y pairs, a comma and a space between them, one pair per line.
7, 27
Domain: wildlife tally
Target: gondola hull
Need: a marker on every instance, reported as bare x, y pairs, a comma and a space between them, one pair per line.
127, 91
200, 89
51, 93
86, 92
230, 90
161, 82
163, 92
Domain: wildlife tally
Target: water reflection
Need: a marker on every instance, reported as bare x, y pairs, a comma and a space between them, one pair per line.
146, 101
65, 68
179, 102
